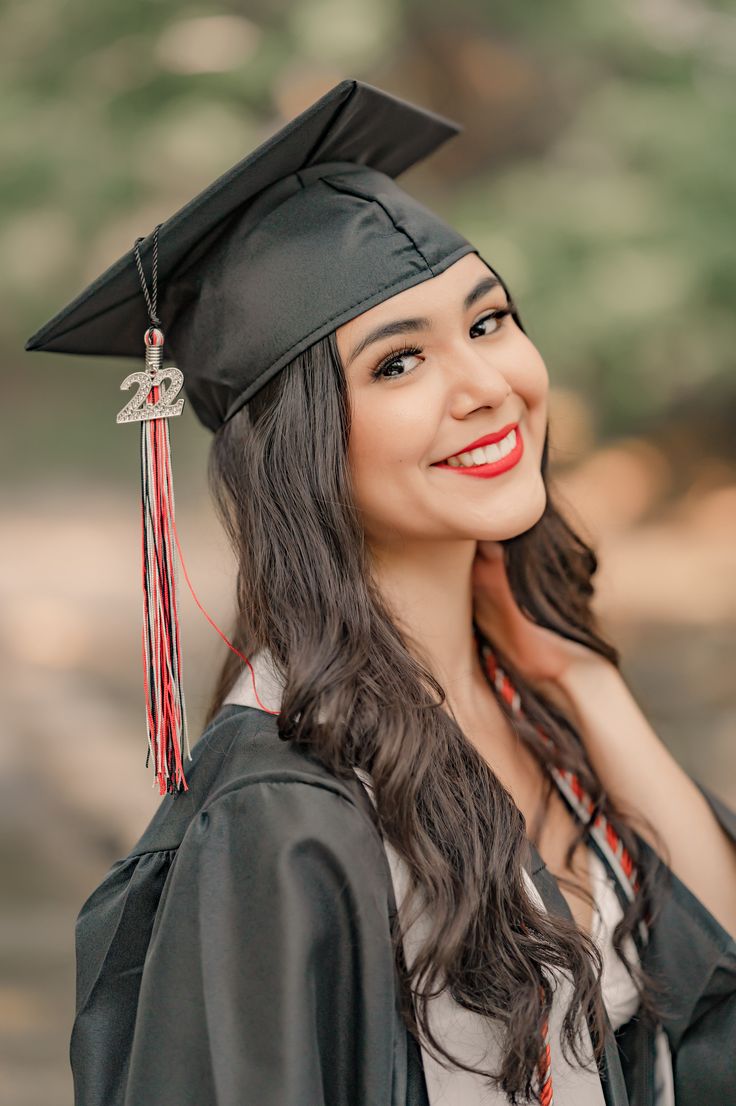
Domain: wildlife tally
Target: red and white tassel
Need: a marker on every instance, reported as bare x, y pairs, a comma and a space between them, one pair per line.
152, 406
165, 705
166, 722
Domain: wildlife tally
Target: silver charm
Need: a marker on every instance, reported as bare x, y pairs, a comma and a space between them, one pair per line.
137, 409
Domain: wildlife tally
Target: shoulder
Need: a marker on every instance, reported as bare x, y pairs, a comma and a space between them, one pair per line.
258, 804
283, 824
243, 773
282, 854
264, 832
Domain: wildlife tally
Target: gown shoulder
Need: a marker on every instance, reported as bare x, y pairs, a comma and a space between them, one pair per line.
242, 951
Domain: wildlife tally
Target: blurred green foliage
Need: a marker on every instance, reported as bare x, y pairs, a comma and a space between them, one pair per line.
596, 172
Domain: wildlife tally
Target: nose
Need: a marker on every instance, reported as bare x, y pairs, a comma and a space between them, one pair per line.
474, 380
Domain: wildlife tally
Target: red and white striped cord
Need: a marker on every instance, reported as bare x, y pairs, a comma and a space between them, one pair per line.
544, 1067
601, 830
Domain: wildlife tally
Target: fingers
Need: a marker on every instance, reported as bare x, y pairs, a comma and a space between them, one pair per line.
489, 550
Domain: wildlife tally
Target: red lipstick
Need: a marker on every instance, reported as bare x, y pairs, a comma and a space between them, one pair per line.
487, 439
493, 468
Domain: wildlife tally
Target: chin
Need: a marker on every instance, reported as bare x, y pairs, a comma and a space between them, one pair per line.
524, 521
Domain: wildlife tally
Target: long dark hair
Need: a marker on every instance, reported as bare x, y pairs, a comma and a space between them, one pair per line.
279, 475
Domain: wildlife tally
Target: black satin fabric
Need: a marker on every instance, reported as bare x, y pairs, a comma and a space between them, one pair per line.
241, 953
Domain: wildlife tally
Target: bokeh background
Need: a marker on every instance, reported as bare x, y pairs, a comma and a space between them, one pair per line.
596, 172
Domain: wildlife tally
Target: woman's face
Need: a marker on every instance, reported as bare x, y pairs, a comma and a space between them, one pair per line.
449, 373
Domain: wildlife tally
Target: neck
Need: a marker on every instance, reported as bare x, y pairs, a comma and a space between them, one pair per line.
430, 596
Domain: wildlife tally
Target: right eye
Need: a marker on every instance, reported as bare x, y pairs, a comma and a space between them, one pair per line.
396, 357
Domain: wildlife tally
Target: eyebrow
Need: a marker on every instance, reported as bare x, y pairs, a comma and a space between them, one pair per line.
406, 326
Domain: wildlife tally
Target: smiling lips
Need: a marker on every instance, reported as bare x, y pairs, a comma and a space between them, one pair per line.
488, 456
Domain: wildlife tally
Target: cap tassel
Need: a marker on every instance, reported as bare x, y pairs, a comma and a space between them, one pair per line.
165, 705
162, 666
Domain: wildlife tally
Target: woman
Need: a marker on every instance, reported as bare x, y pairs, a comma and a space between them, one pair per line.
380, 885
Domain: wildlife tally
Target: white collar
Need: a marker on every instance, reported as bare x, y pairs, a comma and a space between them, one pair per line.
268, 682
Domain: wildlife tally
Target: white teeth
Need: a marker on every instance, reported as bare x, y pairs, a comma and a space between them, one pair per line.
484, 455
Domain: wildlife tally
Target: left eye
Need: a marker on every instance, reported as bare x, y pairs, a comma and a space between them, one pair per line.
495, 316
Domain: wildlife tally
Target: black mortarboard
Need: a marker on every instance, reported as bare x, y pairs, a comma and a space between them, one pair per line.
313, 207
302, 235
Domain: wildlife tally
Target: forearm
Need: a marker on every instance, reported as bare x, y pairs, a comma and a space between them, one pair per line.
639, 774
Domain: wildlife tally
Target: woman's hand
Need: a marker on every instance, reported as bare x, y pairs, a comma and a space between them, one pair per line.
542, 656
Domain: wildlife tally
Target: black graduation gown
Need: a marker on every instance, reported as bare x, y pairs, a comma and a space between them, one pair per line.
240, 953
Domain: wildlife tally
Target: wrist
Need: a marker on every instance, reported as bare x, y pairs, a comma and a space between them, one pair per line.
584, 683
587, 670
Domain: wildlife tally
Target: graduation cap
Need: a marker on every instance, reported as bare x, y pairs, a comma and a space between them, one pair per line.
306, 232
315, 203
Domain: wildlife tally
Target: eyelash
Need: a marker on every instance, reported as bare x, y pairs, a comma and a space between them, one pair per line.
407, 351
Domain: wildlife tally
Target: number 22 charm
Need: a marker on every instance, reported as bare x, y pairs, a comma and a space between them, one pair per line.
137, 409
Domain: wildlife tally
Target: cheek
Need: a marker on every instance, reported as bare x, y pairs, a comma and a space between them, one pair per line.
527, 373
386, 434
387, 447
